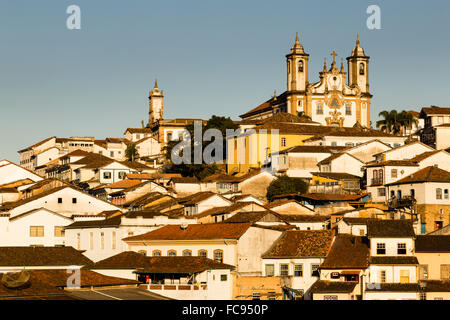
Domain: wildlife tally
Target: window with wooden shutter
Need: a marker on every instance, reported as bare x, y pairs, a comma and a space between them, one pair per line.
270, 270
445, 271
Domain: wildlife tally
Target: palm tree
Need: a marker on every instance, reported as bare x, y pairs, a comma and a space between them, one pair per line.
408, 121
131, 152
391, 123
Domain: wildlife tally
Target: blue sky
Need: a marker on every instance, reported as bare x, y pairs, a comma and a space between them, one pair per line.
210, 57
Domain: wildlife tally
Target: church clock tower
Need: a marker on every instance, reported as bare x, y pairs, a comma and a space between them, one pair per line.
297, 78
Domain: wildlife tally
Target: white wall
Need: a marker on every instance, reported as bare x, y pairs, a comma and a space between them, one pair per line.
16, 232
86, 204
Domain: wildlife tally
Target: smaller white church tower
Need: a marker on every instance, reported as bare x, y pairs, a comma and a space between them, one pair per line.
156, 104
358, 68
297, 77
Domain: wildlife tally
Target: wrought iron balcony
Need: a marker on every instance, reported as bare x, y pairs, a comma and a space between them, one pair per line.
406, 201
377, 182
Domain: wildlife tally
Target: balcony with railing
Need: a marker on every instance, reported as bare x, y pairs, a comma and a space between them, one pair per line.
377, 181
403, 202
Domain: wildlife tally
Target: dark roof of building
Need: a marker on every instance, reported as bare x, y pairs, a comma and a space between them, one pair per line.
135, 165
390, 229
49, 284
195, 232
393, 163
283, 201
428, 174
432, 243
321, 131
94, 160
185, 180
348, 252
196, 197
394, 287
148, 198
336, 175
113, 222
435, 110
265, 106
425, 155
436, 285
356, 220
303, 218
139, 130
296, 243
324, 286
254, 216
42, 256
393, 260
329, 196
162, 264
314, 149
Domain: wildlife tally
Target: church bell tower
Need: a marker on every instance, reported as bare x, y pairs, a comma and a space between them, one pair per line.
156, 104
297, 77
358, 68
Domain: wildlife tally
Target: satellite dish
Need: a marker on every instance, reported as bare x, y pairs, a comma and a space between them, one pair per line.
16, 280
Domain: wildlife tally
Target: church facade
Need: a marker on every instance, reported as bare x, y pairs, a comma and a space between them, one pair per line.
335, 100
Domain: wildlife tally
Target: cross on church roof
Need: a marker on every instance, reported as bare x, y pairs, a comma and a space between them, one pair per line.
334, 54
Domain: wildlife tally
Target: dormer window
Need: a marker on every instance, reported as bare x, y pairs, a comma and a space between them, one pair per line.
361, 68
300, 65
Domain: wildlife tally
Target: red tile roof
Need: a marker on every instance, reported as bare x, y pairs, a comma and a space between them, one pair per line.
195, 232
164, 264
428, 174
348, 252
42, 256
297, 243
123, 184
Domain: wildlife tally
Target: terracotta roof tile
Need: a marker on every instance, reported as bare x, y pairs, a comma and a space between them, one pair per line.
428, 174
394, 287
141, 263
388, 260
41, 256
324, 286
301, 244
348, 252
432, 243
195, 232
390, 228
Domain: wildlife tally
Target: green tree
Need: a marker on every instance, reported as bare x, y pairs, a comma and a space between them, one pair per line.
286, 185
202, 170
131, 152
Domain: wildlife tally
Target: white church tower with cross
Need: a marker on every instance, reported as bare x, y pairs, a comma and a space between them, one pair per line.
337, 99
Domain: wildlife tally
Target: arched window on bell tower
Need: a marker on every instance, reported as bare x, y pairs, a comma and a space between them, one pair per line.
361, 68
300, 65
